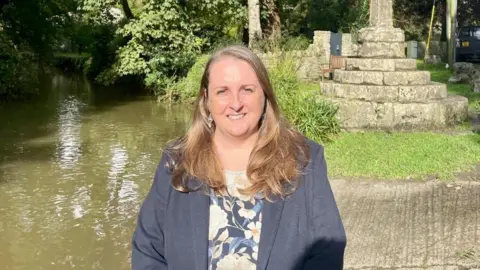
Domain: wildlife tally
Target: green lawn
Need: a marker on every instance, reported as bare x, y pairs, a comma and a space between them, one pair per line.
401, 155
381, 155
440, 74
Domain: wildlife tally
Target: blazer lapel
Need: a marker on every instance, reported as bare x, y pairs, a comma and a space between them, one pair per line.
199, 219
271, 214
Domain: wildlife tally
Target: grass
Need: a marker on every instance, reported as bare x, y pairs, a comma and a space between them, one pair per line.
440, 74
381, 155
401, 155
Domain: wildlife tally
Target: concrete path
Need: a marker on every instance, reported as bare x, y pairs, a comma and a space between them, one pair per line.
410, 225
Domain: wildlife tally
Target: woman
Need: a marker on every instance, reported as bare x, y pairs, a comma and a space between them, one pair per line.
241, 190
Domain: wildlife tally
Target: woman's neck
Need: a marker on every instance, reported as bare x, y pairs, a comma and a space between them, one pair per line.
234, 153
226, 142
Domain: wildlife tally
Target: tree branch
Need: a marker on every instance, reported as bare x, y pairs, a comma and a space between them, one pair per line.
127, 10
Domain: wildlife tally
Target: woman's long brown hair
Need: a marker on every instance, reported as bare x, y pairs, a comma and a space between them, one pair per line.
276, 161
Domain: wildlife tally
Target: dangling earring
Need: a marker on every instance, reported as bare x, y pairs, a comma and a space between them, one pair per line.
209, 121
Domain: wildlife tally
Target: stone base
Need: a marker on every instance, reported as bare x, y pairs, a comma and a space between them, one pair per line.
373, 64
388, 34
438, 114
382, 78
382, 50
383, 93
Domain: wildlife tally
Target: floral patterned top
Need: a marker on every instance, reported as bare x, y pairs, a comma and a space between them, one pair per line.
235, 225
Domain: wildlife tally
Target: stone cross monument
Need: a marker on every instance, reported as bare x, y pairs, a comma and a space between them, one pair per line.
384, 90
381, 13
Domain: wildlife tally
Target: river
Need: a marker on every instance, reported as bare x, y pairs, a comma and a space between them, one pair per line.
75, 165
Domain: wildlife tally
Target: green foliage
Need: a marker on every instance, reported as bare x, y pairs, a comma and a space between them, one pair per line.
187, 88
166, 36
295, 43
18, 76
72, 62
304, 17
314, 118
476, 106
34, 25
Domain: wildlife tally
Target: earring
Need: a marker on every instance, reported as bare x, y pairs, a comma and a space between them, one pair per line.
209, 121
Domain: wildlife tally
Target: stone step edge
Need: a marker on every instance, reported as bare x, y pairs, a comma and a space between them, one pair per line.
378, 64
381, 93
388, 78
437, 100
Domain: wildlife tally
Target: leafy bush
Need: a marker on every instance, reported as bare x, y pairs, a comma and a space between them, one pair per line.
314, 118
476, 106
295, 43
189, 86
18, 74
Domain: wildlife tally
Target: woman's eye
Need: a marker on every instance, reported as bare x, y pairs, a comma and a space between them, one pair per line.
221, 91
248, 89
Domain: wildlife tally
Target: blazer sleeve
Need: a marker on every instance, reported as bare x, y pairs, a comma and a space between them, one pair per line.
148, 251
328, 235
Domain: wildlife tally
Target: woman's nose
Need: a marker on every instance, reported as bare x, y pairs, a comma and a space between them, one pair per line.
236, 102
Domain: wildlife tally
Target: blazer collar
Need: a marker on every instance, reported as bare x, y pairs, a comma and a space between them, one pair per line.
199, 219
199, 222
271, 215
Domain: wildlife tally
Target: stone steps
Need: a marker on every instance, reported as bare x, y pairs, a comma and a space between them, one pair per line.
360, 114
401, 93
374, 64
382, 77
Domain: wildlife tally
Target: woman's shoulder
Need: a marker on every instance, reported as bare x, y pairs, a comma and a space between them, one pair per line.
316, 150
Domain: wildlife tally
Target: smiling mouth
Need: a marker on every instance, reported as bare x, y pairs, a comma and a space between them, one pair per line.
236, 116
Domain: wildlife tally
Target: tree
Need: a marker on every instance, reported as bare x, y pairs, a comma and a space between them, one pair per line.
272, 29
254, 27
451, 26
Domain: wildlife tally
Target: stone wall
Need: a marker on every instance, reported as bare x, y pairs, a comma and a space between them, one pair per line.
349, 46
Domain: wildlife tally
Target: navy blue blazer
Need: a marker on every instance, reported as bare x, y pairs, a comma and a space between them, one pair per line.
303, 231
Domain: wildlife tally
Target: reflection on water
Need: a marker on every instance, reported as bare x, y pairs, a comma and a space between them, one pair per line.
74, 167
69, 126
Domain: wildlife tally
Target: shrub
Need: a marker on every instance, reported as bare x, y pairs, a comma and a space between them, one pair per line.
18, 73
295, 43
314, 118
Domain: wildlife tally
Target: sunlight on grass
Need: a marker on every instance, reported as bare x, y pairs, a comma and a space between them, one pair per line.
401, 155
440, 74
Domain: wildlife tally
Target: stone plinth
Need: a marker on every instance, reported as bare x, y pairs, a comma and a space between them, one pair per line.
382, 50
438, 113
382, 78
381, 35
384, 90
380, 93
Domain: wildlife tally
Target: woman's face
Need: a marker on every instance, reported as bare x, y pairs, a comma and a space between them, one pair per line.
235, 97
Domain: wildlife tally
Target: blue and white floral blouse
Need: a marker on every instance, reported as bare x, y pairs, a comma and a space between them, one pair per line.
235, 225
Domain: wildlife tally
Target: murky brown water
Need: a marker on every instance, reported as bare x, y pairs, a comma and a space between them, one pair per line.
75, 166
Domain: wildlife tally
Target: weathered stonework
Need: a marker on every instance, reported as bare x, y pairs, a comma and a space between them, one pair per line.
382, 50
381, 13
384, 90
375, 64
381, 93
382, 78
381, 35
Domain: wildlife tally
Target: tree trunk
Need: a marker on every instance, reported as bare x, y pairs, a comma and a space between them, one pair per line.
272, 28
451, 30
127, 10
254, 28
